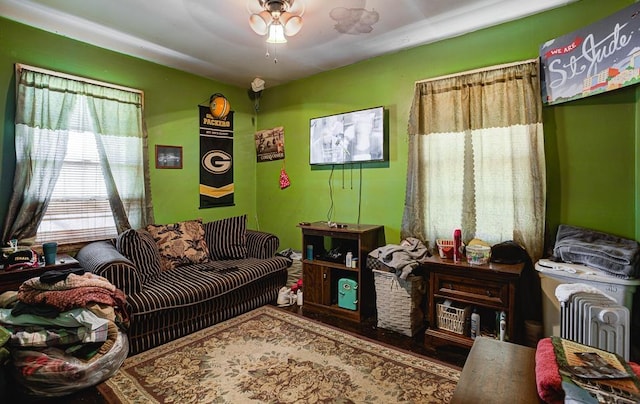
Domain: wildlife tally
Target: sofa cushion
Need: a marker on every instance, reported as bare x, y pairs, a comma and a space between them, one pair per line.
180, 243
193, 284
227, 238
140, 248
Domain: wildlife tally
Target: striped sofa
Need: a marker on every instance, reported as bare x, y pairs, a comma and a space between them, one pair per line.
172, 303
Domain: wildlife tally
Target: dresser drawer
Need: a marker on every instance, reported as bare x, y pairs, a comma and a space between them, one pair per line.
478, 290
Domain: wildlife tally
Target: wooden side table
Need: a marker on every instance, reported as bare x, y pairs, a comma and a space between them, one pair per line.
11, 280
498, 372
491, 288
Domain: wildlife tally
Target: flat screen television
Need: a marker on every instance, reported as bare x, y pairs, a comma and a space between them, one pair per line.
350, 137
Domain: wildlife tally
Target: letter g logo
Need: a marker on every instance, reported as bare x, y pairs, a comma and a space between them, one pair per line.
216, 162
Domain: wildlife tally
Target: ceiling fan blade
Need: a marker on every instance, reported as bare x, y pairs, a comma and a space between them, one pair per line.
259, 23
296, 7
291, 23
255, 6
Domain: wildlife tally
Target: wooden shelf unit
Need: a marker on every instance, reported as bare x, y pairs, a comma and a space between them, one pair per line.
490, 288
321, 276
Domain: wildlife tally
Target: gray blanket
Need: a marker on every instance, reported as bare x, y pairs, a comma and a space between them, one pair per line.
403, 257
615, 255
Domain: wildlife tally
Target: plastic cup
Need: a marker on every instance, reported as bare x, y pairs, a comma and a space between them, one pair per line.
50, 251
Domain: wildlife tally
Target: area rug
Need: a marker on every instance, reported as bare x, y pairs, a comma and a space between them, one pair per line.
272, 356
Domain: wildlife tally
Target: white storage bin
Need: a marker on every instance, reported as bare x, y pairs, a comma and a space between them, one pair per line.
553, 274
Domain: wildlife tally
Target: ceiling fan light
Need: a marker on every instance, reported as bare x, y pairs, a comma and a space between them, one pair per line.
276, 33
291, 24
259, 23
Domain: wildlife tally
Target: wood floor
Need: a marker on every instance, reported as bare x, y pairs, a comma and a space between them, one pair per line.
451, 355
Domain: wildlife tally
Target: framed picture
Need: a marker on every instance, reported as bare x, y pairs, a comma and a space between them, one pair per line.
270, 144
168, 156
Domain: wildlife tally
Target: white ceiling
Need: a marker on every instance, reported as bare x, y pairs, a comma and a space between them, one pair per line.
212, 38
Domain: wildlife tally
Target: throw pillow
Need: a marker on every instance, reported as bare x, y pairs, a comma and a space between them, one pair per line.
180, 243
141, 249
227, 238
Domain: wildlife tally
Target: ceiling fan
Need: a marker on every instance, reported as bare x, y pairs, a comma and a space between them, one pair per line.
276, 18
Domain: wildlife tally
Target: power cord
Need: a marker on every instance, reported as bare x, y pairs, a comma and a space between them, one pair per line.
359, 194
330, 212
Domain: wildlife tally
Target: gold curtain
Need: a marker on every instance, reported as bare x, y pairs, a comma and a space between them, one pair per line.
476, 157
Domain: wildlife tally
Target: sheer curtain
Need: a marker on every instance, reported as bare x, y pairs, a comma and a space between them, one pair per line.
476, 158
47, 108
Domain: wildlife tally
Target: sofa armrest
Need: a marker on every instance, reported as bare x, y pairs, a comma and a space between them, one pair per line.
261, 244
102, 258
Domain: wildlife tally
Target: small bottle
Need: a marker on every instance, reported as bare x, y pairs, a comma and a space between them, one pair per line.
457, 243
475, 324
503, 325
347, 262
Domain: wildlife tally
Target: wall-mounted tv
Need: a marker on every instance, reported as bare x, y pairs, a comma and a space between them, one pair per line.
351, 137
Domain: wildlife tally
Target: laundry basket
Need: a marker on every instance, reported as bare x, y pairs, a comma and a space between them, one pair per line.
399, 302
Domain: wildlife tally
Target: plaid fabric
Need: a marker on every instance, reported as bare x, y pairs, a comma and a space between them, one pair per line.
47, 336
374, 263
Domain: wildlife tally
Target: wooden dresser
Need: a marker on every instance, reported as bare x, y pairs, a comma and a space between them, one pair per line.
490, 289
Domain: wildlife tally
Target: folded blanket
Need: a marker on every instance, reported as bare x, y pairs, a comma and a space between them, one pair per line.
548, 380
615, 255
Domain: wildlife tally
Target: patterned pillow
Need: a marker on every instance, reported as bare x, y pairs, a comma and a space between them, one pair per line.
227, 238
141, 249
180, 243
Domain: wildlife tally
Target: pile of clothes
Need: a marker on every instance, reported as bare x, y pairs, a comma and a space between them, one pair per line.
402, 258
66, 331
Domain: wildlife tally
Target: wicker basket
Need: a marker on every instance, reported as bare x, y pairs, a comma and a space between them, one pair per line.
453, 319
399, 301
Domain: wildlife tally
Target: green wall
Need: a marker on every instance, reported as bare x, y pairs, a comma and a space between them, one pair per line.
171, 111
591, 145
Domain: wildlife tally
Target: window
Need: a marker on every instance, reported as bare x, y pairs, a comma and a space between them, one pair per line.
80, 159
476, 158
79, 207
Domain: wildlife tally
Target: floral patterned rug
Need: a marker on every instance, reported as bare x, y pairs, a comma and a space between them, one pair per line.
273, 356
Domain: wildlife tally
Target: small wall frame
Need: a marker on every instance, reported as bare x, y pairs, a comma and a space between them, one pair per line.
168, 156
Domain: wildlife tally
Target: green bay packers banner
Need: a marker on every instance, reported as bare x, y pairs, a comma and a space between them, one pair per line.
216, 157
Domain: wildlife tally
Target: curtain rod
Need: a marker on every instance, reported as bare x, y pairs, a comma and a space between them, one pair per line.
480, 70
20, 66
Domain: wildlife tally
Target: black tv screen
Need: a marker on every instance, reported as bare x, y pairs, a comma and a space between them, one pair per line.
351, 137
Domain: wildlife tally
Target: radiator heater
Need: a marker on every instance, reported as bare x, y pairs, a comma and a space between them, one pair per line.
596, 320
